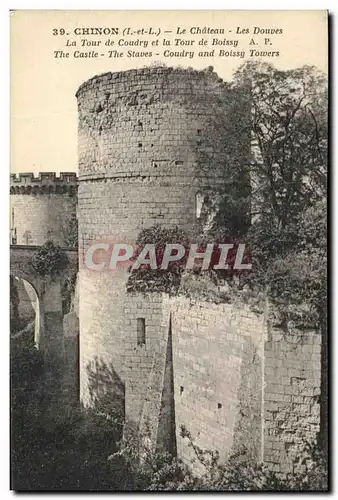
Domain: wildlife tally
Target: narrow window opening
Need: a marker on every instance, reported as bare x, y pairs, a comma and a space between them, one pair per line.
179, 162
140, 123
140, 144
141, 331
14, 236
219, 406
13, 229
181, 390
199, 132
199, 200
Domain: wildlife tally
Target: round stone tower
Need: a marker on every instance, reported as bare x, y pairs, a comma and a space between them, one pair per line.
150, 142
43, 208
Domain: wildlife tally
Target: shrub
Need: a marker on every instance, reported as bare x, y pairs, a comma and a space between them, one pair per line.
49, 259
146, 280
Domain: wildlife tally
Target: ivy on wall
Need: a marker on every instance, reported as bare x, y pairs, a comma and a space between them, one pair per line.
49, 260
146, 280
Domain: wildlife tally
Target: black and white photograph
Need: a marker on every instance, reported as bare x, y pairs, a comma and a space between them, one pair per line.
168, 251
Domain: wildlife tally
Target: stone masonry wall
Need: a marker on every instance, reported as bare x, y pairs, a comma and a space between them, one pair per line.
145, 153
145, 362
291, 397
142, 136
221, 372
43, 208
201, 367
217, 365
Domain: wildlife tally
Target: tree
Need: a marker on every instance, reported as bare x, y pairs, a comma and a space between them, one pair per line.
70, 231
289, 137
288, 171
57, 445
49, 260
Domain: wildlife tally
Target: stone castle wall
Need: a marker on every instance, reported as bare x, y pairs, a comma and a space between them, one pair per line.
145, 151
216, 386
150, 142
292, 373
217, 352
229, 378
42, 208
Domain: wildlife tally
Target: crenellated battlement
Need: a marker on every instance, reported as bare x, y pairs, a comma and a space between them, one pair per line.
44, 183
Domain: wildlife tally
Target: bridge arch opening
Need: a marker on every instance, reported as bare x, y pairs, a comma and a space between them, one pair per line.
25, 311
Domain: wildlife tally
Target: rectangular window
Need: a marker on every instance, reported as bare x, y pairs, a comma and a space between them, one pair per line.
141, 331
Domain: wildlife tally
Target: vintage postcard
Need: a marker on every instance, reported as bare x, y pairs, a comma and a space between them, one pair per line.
168, 250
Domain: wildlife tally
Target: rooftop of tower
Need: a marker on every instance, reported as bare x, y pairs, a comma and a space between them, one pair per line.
152, 70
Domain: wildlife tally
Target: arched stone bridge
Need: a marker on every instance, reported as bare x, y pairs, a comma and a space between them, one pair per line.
49, 291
